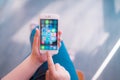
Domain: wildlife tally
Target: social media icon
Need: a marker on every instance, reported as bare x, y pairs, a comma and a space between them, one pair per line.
42, 47
47, 21
53, 39
53, 30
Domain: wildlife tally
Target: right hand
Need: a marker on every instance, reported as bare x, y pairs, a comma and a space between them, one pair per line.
56, 71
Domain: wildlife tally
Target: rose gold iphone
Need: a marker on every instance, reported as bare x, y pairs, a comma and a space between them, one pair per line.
49, 33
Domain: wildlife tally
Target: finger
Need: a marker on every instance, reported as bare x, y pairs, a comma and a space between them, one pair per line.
59, 44
51, 66
59, 35
36, 39
68, 75
62, 68
57, 66
59, 39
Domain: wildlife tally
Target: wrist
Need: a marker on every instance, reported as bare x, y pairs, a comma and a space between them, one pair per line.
34, 60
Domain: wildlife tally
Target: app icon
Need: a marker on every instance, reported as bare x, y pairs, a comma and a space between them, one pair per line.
53, 34
48, 34
42, 21
47, 26
50, 26
55, 26
43, 30
51, 47
46, 42
46, 47
42, 47
43, 38
42, 42
42, 25
54, 47
48, 39
47, 21
43, 34
50, 21
53, 39
48, 31
51, 42
53, 30
55, 21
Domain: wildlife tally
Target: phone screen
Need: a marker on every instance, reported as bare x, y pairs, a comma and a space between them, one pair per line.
48, 34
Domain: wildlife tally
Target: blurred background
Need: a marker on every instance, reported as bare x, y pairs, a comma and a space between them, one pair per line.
91, 29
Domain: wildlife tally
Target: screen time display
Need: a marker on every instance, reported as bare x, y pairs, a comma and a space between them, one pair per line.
48, 36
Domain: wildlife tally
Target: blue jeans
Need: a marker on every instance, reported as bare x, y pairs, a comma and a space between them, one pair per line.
62, 58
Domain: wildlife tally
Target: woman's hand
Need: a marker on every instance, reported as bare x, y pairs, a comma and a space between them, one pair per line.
30, 64
56, 71
36, 55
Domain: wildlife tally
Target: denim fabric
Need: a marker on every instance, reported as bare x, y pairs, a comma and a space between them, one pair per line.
62, 58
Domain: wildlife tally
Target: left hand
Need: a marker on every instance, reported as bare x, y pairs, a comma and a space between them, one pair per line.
36, 55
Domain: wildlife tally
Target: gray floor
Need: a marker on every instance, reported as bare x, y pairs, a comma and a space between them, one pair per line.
90, 28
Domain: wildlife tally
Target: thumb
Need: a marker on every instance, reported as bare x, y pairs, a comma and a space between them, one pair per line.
36, 40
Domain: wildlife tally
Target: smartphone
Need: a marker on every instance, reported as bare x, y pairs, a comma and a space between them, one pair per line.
49, 33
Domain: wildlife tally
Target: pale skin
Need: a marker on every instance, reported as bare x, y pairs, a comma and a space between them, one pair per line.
56, 71
27, 68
